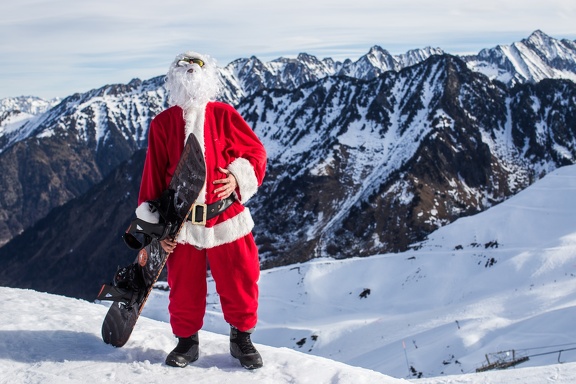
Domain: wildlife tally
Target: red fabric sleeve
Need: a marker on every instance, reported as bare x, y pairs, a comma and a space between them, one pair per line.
153, 176
243, 142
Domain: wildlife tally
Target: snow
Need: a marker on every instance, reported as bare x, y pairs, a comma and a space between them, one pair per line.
532, 60
51, 339
16, 112
14, 123
29, 105
500, 281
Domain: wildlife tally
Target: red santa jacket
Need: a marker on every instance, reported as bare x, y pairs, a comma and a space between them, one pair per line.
228, 143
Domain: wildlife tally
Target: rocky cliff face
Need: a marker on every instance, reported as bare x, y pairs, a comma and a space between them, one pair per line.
77, 246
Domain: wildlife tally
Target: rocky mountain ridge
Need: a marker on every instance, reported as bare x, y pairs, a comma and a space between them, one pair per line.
368, 167
357, 166
531, 60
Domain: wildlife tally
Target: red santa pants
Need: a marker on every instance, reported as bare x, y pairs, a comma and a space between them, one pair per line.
235, 268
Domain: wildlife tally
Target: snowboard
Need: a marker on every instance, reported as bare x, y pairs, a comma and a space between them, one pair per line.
132, 284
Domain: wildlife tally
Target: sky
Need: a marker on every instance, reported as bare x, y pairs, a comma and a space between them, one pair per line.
54, 48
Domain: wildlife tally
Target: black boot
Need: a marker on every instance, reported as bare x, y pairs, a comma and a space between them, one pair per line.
241, 347
185, 352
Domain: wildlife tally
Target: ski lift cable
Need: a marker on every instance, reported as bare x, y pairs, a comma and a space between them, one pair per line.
552, 352
550, 346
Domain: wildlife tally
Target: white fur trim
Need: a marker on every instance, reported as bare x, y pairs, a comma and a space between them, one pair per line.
226, 232
194, 117
195, 124
144, 212
245, 177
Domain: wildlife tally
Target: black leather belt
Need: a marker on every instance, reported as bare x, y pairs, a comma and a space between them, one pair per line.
199, 213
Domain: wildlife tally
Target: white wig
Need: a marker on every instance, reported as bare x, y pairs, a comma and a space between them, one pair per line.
191, 85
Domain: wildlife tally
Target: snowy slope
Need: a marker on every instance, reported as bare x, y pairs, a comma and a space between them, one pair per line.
16, 111
31, 105
502, 280
51, 339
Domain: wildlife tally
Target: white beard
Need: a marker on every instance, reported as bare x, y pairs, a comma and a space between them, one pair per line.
191, 86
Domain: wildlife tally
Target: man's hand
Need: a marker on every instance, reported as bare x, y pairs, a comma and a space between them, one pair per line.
229, 184
168, 245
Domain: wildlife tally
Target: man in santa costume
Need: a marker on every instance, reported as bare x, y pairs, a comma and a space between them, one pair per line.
235, 165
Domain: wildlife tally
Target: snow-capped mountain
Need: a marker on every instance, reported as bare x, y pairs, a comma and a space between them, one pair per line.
60, 154
363, 167
30, 105
356, 168
531, 60
358, 165
16, 111
244, 77
103, 127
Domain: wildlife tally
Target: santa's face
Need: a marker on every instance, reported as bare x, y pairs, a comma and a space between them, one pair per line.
192, 80
189, 61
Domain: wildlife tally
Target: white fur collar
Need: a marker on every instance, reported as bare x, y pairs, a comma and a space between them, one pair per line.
195, 118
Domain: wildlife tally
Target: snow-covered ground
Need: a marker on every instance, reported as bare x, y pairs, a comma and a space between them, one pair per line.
501, 281
52, 339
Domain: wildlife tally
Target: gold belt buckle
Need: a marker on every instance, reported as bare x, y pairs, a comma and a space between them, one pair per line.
193, 214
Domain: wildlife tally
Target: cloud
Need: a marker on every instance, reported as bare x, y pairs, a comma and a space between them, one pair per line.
58, 47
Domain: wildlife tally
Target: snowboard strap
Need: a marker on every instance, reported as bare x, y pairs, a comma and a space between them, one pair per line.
110, 292
148, 231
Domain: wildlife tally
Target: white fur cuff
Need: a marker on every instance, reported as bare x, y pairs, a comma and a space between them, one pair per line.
144, 212
245, 177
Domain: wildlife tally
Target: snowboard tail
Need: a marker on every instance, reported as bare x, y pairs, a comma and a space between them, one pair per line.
119, 324
132, 284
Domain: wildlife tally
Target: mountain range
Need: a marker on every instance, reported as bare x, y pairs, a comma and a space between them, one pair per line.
365, 156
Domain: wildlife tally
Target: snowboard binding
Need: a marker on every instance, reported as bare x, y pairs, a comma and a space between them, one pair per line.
166, 228
128, 286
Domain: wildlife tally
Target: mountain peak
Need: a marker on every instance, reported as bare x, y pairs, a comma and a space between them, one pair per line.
377, 48
378, 53
539, 38
306, 56
308, 59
